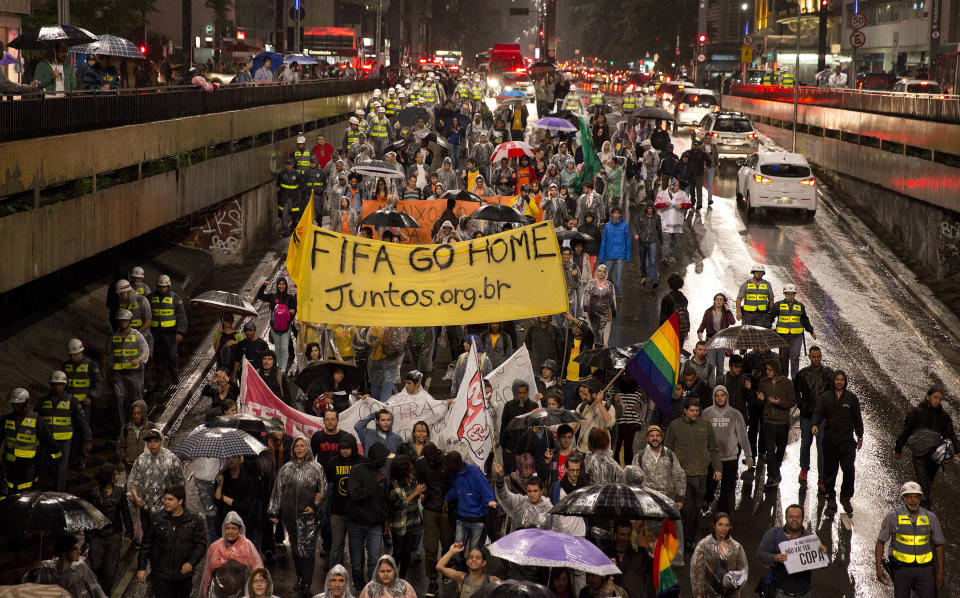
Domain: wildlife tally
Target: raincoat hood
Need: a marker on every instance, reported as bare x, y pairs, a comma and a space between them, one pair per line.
234, 518
337, 570
397, 587
143, 410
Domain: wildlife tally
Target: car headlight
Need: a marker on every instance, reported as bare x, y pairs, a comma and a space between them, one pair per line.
530, 89
491, 82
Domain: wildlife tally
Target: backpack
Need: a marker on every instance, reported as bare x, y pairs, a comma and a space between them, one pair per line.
281, 317
392, 341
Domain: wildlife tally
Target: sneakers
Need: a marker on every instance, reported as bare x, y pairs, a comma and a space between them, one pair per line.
803, 476
433, 588
847, 507
643, 281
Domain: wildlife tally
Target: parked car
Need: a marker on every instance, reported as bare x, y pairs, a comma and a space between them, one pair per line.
733, 133
691, 104
776, 180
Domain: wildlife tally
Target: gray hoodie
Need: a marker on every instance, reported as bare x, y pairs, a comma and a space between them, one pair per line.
728, 427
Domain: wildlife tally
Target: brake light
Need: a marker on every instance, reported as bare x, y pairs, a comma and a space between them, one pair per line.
759, 178
423, 61
809, 182
682, 107
521, 69
753, 136
713, 134
716, 108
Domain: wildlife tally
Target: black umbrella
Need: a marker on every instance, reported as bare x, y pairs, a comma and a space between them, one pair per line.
651, 112
257, 427
397, 145
447, 121
323, 370
498, 212
225, 301
600, 109
56, 512
543, 417
461, 195
513, 589
409, 116
616, 501
608, 358
46, 37
746, 338
573, 235
390, 218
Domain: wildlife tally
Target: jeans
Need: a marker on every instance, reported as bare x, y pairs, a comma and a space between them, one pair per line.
693, 499
364, 537
404, 545
754, 424
383, 375
806, 441
281, 344
728, 486
716, 357
648, 260
616, 272
206, 491
338, 533
517, 134
708, 183
104, 554
839, 456
671, 244
455, 155
776, 446
469, 533
791, 355
696, 192
436, 532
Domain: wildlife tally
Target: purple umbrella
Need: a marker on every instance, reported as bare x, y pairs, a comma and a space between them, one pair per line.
554, 124
547, 548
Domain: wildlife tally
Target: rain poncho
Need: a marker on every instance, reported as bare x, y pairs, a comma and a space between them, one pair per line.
522, 512
336, 570
152, 474
395, 589
294, 490
708, 567
78, 579
601, 468
242, 551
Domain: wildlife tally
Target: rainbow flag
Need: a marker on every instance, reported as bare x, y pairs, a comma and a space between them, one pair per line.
664, 578
657, 366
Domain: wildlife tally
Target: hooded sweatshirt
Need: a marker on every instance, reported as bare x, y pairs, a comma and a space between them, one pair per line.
397, 588
366, 492
242, 551
728, 427
781, 387
341, 571
131, 443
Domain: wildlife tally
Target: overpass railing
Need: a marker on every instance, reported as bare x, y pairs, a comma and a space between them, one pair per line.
38, 115
920, 106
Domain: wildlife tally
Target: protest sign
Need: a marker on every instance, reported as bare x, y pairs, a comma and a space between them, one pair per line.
405, 416
803, 554
516, 367
344, 279
468, 424
257, 398
427, 211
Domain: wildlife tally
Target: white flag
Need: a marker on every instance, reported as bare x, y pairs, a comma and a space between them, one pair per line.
516, 367
469, 424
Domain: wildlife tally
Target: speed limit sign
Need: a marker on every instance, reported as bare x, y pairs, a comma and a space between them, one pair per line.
701, 58
857, 20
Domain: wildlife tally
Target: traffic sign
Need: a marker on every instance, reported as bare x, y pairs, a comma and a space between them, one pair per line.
746, 54
857, 39
747, 40
858, 20
935, 34
208, 29
701, 58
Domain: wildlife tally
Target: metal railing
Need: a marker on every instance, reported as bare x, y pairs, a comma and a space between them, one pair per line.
39, 115
920, 106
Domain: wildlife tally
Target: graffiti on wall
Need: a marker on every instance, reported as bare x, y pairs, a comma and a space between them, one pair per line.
217, 229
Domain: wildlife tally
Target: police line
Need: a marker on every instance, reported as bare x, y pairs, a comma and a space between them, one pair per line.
343, 279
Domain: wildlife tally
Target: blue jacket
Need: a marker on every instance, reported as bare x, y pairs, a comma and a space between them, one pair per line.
472, 491
615, 243
369, 436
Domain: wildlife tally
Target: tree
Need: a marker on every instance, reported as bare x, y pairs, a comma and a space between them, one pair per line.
123, 18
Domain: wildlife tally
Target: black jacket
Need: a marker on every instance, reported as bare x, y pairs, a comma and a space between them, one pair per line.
367, 496
436, 481
170, 541
842, 415
114, 508
809, 384
739, 397
924, 416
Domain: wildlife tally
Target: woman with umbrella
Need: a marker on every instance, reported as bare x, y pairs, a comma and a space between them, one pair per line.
233, 546
473, 578
69, 571
295, 500
719, 564
600, 130
224, 340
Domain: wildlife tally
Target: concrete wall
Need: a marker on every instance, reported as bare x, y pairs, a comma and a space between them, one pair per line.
43, 240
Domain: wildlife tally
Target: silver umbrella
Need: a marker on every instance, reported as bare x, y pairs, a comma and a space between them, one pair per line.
378, 168
219, 443
747, 338
617, 501
226, 302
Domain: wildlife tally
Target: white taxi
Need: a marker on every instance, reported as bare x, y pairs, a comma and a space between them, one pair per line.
776, 180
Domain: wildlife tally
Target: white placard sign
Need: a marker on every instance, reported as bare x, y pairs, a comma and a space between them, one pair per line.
803, 554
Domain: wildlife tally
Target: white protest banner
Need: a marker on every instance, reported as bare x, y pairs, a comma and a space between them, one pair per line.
469, 425
257, 398
517, 366
405, 416
803, 554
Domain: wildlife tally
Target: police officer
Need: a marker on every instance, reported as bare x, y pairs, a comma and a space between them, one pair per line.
651, 98
301, 155
755, 299
358, 147
572, 101
380, 131
126, 354
629, 102
289, 191
351, 135
916, 547
23, 434
63, 416
792, 321
83, 382
429, 93
314, 184
139, 306
377, 96
476, 90
390, 103
136, 281
169, 325
596, 97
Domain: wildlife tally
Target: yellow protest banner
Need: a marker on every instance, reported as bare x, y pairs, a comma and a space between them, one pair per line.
343, 279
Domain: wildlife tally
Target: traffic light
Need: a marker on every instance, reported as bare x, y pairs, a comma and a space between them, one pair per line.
702, 38
541, 33
824, 3
143, 49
